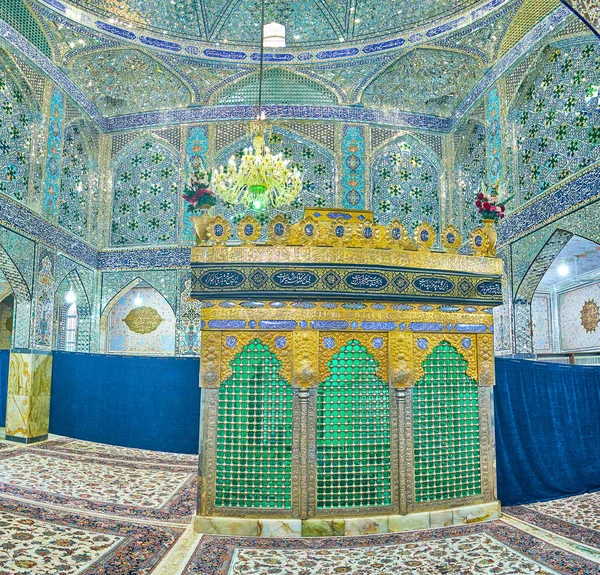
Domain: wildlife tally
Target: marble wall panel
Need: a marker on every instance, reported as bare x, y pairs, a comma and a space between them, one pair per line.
541, 322
578, 318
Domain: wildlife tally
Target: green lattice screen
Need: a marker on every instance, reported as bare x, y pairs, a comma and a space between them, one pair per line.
17, 15
353, 432
280, 86
446, 428
254, 441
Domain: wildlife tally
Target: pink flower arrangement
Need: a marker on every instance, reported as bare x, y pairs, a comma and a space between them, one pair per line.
197, 193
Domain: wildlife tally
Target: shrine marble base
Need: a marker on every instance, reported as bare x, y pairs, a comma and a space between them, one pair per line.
347, 526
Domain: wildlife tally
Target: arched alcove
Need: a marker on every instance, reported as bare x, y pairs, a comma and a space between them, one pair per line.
77, 199
527, 287
146, 199
565, 306
145, 83
72, 315
138, 321
280, 86
440, 75
7, 313
405, 180
19, 116
22, 299
470, 168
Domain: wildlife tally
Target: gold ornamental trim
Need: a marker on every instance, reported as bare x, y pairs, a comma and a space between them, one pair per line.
426, 343
287, 310
422, 259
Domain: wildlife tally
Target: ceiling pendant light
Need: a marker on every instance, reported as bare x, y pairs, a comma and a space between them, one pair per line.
261, 180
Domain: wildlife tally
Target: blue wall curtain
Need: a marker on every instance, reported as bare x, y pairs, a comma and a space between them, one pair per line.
144, 402
547, 430
4, 361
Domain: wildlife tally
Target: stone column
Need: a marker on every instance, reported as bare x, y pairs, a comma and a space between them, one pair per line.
28, 405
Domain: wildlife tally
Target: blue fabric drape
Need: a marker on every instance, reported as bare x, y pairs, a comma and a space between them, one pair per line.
4, 361
547, 430
144, 402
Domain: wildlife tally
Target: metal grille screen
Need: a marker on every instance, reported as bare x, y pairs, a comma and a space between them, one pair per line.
254, 433
353, 432
446, 428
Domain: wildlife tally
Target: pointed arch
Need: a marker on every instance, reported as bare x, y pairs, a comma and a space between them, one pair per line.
527, 78
79, 173
146, 198
414, 140
405, 182
151, 345
353, 470
541, 263
72, 281
282, 86
446, 438
153, 86
22, 295
7, 319
459, 71
14, 277
255, 424
470, 168
525, 290
19, 78
21, 113
138, 142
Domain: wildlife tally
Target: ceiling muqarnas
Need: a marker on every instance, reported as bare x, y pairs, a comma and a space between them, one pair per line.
419, 65
310, 22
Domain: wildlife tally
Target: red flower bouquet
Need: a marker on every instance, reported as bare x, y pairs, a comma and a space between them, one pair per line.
197, 193
490, 207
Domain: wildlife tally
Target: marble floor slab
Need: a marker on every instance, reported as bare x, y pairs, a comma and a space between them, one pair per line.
112, 487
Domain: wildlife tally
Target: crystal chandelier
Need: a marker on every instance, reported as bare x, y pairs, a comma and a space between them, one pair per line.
262, 179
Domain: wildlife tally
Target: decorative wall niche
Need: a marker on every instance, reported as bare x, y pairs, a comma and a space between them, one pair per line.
140, 322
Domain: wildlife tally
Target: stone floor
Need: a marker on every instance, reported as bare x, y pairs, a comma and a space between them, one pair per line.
72, 507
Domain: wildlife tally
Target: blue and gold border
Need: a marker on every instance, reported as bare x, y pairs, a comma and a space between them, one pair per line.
342, 282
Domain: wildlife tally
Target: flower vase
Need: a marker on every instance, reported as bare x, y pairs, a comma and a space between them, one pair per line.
489, 230
200, 224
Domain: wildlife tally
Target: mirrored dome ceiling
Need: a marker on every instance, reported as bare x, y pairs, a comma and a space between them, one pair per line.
308, 22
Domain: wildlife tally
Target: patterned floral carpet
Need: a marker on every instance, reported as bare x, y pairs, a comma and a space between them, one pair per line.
487, 548
103, 479
70, 507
